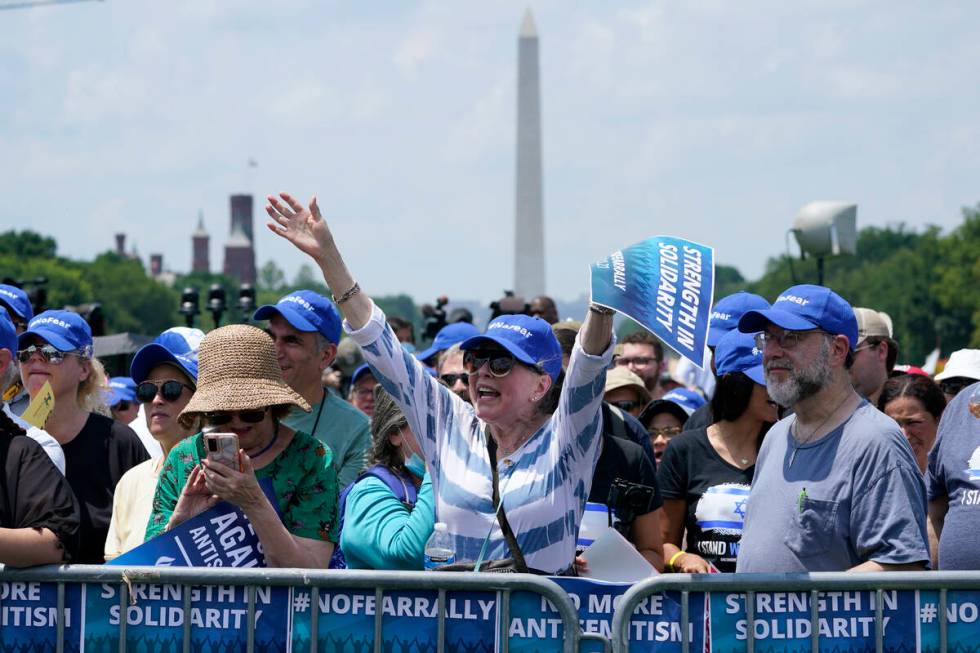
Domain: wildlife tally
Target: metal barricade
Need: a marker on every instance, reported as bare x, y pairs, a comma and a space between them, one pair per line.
814, 584
378, 581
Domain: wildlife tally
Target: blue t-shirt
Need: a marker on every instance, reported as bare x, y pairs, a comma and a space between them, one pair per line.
954, 476
854, 495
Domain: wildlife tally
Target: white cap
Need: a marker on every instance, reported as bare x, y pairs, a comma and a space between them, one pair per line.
440, 526
963, 362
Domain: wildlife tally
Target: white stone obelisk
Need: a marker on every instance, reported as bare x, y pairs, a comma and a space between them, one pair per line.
529, 199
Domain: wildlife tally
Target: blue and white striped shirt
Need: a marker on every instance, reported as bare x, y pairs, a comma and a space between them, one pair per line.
544, 484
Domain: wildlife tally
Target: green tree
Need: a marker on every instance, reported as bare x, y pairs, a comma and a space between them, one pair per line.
27, 244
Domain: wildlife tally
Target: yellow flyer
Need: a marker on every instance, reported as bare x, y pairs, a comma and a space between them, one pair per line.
40, 407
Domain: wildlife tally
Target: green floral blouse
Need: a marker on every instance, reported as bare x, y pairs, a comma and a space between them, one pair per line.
303, 478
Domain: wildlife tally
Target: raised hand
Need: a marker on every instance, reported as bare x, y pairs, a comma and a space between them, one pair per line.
303, 226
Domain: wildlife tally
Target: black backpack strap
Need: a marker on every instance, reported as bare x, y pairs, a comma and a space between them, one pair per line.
515, 549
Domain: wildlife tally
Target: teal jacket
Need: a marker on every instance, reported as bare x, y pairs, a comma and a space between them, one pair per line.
380, 532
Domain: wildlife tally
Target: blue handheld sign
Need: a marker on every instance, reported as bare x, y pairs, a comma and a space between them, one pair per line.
665, 284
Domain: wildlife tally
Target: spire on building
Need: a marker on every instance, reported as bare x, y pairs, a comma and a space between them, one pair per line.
200, 247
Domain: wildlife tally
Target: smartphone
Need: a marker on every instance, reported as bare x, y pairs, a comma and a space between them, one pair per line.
222, 448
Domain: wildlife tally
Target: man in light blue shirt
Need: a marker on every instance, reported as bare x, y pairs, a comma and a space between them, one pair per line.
306, 329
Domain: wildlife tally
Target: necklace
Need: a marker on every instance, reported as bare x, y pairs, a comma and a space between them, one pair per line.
275, 436
797, 443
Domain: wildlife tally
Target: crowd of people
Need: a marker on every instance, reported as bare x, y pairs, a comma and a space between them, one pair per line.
804, 447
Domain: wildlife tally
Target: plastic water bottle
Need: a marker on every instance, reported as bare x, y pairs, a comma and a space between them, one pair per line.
439, 549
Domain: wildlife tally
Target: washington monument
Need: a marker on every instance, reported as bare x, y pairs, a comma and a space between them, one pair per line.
529, 201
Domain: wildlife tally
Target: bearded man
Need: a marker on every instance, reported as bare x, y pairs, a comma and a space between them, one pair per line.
836, 486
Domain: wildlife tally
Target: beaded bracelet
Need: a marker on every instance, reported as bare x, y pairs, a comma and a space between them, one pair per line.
356, 288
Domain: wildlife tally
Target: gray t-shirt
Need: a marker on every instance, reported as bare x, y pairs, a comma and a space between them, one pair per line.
954, 474
854, 495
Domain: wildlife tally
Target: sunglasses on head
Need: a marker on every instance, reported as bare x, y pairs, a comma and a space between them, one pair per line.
49, 353
220, 418
169, 390
450, 379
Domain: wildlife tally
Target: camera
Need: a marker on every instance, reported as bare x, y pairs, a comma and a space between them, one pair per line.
509, 304
435, 317
628, 500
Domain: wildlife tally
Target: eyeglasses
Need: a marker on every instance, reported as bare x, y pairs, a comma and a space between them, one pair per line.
450, 379
121, 406
169, 390
626, 405
665, 431
785, 340
220, 418
638, 361
49, 353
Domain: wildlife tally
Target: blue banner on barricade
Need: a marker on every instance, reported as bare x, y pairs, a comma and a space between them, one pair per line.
29, 613
664, 283
656, 623
155, 618
473, 619
409, 620
962, 621
845, 624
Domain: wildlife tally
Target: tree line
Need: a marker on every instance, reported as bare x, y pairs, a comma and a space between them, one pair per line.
927, 281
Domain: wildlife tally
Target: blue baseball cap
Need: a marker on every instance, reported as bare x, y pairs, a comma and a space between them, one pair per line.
529, 339
17, 300
736, 352
65, 330
687, 399
359, 372
8, 333
805, 307
177, 346
448, 336
121, 388
305, 311
727, 311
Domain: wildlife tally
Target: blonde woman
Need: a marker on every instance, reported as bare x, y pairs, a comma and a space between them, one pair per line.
57, 349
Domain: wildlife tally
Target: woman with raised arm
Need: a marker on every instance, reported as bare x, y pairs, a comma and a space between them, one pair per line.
544, 461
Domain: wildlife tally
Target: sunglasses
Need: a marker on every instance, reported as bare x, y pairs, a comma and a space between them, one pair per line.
121, 406
169, 390
626, 405
954, 386
221, 418
49, 353
450, 379
500, 363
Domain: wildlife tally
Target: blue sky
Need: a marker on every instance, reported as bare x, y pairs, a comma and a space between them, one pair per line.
715, 121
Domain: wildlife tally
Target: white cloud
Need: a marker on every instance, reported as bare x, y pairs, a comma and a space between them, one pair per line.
413, 51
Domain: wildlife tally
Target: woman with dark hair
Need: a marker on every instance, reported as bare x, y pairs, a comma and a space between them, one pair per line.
916, 402
706, 473
388, 511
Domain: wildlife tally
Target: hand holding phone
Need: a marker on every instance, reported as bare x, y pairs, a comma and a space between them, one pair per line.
223, 448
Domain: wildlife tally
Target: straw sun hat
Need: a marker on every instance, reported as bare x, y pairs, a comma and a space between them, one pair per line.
237, 370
